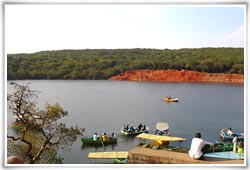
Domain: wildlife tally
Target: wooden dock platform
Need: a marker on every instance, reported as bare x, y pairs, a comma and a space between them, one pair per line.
140, 155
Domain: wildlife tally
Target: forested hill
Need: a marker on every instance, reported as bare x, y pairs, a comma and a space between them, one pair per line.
105, 63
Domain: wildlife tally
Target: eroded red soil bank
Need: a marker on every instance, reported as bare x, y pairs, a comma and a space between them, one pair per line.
178, 76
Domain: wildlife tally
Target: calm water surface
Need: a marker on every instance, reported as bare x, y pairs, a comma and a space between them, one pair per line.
104, 106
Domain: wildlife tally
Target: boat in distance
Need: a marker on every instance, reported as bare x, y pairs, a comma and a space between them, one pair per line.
170, 99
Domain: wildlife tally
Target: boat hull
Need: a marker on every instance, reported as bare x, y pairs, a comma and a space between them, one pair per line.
230, 139
99, 142
127, 133
170, 99
240, 137
221, 147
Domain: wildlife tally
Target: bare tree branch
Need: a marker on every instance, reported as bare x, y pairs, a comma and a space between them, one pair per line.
41, 131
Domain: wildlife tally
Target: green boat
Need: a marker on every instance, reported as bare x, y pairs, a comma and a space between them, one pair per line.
221, 147
99, 142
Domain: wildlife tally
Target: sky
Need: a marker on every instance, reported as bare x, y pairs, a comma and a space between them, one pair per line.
33, 27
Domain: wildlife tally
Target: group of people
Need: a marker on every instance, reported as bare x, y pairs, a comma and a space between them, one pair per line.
104, 136
131, 128
199, 147
228, 132
162, 132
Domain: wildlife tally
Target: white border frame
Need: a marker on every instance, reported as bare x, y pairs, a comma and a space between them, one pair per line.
171, 2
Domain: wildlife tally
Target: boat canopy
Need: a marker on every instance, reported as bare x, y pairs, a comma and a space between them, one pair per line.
108, 155
158, 137
162, 126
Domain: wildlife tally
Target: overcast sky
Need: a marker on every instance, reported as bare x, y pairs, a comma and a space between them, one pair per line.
31, 28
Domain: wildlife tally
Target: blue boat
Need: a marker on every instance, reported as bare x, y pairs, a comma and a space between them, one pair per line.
225, 137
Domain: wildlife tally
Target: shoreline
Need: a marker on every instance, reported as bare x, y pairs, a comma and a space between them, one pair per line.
178, 76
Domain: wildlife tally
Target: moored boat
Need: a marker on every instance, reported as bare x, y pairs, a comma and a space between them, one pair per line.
131, 131
98, 142
161, 128
161, 141
170, 99
221, 147
225, 137
119, 157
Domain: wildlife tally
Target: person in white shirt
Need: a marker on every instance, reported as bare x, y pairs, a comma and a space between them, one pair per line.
113, 135
95, 137
229, 132
198, 147
235, 144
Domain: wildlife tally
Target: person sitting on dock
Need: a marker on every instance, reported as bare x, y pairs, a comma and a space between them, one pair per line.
104, 137
199, 147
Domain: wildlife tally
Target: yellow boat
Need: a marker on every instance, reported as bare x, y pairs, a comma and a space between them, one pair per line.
170, 99
119, 157
158, 137
108, 155
161, 140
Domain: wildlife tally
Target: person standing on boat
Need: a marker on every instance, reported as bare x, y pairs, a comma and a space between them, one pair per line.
235, 143
199, 147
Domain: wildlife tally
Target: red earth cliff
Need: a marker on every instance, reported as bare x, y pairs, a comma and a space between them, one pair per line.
178, 76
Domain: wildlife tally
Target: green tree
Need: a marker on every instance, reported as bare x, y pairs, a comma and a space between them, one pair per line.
101, 63
39, 133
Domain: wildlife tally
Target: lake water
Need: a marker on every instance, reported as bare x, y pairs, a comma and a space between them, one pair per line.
104, 106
